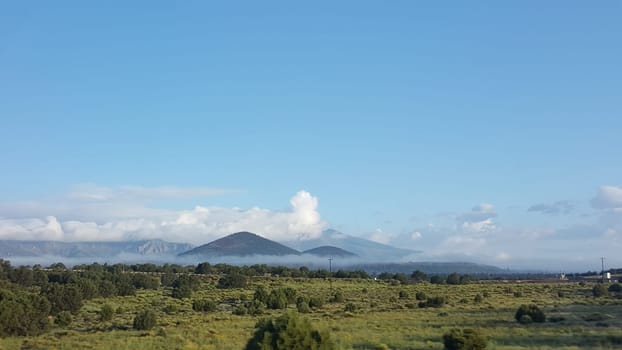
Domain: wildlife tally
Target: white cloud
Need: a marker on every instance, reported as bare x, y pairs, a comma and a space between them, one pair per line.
503, 256
477, 221
416, 235
26, 229
483, 226
94, 193
199, 225
608, 197
380, 236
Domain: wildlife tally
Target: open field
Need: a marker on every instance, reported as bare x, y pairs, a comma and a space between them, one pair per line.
381, 315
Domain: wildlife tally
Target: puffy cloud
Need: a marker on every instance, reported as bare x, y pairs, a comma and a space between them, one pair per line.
483, 226
26, 229
416, 235
199, 225
478, 220
608, 197
380, 236
556, 208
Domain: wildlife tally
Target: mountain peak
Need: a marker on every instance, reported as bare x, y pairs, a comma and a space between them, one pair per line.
330, 251
242, 244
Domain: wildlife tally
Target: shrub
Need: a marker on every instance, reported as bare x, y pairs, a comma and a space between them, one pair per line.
437, 301
350, 307
478, 298
453, 278
106, 313
337, 297
241, 310
261, 294
616, 287
303, 307
289, 332
182, 292
22, 314
532, 311
204, 305
316, 302
63, 297
403, 294
290, 294
277, 300
233, 280
600, 290
145, 320
418, 276
170, 309
255, 308
421, 296
63, 319
525, 319
436, 279
464, 339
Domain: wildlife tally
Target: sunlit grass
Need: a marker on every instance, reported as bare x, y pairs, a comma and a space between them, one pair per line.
384, 317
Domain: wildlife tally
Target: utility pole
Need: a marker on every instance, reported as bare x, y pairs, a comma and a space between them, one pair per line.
330, 274
602, 271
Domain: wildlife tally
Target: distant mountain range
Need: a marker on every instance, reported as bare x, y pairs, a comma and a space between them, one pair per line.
153, 247
369, 250
330, 251
242, 248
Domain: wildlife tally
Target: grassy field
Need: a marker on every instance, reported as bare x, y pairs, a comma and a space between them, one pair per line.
385, 316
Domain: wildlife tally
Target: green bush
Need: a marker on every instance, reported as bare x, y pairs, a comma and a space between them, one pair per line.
63, 297
170, 309
23, 314
403, 294
255, 307
453, 278
464, 339
289, 332
290, 294
478, 298
316, 302
337, 297
261, 294
616, 287
350, 307
534, 313
302, 304
182, 292
204, 305
436, 279
421, 296
303, 307
145, 320
240, 310
437, 301
63, 319
232, 280
600, 290
277, 300
106, 313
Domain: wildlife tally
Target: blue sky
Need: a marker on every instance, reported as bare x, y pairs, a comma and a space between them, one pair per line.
435, 126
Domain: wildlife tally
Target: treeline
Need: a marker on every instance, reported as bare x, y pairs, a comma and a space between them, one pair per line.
29, 295
419, 276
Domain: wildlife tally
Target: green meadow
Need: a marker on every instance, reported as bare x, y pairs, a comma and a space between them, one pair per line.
366, 314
